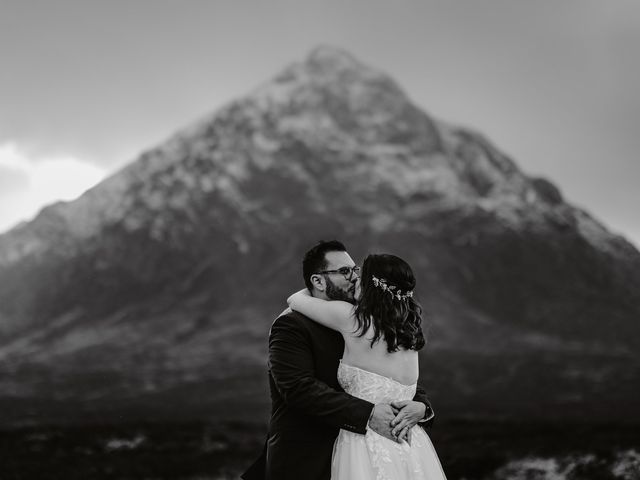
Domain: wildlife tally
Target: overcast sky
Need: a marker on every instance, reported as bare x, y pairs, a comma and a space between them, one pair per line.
87, 85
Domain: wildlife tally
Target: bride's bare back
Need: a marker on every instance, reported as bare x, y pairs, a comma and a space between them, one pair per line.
401, 366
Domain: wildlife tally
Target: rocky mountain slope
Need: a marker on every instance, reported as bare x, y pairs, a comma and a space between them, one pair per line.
152, 293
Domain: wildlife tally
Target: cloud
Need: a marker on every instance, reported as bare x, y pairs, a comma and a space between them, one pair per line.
27, 184
12, 180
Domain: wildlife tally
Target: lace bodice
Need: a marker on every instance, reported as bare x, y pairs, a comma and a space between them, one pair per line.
372, 456
372, 387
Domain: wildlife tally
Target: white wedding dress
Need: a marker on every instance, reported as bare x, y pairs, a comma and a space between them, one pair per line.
372, 456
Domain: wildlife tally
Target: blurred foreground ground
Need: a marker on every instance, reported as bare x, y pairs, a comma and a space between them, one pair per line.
198, 451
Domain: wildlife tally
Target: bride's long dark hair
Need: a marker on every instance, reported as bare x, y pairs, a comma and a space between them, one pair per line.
397, 320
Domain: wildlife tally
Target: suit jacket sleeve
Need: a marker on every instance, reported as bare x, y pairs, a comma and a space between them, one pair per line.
421, 396
293, 369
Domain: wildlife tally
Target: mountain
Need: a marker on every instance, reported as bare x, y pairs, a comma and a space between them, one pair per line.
151, 295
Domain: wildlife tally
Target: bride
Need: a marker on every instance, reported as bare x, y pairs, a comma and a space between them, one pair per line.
382, 335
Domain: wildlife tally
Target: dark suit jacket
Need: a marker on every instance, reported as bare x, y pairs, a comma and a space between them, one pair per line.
308, 405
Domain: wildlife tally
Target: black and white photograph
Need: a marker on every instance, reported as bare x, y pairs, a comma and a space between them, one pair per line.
319, 240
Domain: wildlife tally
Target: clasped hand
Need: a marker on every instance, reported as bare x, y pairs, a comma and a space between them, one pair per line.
395, 420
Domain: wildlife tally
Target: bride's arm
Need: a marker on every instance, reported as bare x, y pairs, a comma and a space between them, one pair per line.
335, 314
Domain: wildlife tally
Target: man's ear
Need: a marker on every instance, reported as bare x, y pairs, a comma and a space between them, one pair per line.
318, 282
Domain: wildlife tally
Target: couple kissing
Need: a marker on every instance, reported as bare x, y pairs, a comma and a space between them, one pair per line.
343, 375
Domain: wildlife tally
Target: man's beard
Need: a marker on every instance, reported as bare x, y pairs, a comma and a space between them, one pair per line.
335, 293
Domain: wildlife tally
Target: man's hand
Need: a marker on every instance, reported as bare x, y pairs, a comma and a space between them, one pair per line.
407, 436
408, 413
380, 421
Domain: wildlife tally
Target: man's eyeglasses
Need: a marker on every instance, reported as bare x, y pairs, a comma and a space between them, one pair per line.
347, 272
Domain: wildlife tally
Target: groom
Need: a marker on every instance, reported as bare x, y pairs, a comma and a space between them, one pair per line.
308, 405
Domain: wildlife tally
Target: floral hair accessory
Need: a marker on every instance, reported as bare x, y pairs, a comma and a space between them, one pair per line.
391, 289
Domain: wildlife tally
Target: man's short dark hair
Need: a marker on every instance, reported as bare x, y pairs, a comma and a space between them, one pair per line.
314, 260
